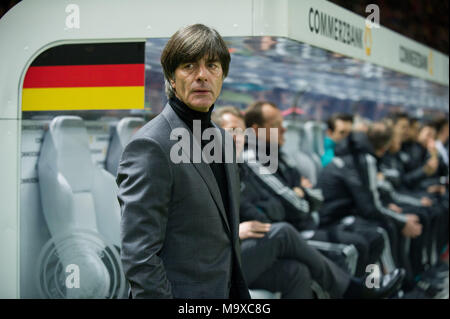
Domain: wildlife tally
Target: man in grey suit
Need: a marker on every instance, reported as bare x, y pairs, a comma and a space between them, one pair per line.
180, 216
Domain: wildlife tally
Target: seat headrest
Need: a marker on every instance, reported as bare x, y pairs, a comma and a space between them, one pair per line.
314, 136
69, 151
121, 136
127, 127
294, 134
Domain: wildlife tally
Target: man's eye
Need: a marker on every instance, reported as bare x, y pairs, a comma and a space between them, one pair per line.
213, 65
188, 66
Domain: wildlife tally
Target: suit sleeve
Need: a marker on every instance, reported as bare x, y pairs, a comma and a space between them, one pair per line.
249, 211
413, 177
393, 196
145, 181
272, 208
369, 196
361, 195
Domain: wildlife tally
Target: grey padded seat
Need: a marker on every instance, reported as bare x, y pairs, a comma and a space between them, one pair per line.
300, 159
312, 142
78, 198
121, 135
315, 135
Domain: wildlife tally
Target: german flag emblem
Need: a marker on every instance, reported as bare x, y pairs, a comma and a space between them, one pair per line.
105, 76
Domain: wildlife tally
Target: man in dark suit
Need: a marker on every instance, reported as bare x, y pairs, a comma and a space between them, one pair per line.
180, 209
275, 256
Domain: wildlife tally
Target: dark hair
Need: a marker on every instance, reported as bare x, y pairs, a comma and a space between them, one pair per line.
413, 120
190, 44
254, 115
440, 122
217, 114
331, 122
397, 116
380, 135
431, 124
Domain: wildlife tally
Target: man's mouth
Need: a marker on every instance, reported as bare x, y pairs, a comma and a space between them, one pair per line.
200, 91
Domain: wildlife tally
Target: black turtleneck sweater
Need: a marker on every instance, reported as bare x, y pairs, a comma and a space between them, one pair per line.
188, 115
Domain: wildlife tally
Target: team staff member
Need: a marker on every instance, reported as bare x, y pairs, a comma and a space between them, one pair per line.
275, 257
180, 221
300, 201
349, 184
339, 127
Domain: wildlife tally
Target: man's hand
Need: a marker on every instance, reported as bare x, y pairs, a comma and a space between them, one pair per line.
253, 229
436, 189
299, 192
426, 201
305, 183
413, 227
431, 166
431, 147
395, 208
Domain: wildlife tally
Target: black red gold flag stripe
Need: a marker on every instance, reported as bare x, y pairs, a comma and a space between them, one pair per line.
92, 53
106, 76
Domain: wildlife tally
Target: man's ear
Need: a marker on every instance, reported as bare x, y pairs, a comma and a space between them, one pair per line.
172, 83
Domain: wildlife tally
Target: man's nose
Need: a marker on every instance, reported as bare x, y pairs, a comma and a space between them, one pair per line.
201, 73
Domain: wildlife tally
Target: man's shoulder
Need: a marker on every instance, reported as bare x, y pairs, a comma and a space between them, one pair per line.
157, 129
339, 169
340, 163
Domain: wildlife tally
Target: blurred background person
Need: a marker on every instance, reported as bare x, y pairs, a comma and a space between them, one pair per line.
442, 138
275, 256
339, 127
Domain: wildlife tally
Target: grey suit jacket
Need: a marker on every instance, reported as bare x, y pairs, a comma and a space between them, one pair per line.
176, 238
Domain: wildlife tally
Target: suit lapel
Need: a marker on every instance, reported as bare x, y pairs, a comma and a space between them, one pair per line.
202, 168
206, 173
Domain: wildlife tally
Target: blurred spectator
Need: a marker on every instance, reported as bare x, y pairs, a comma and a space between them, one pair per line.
349, 185
275, 256
300, 200
423, 165
442, 138
339, 127
361, 124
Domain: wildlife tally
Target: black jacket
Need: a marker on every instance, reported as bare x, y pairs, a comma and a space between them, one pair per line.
279, 185
349, 184
176, 238
392, 165
256, 202
414, 156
